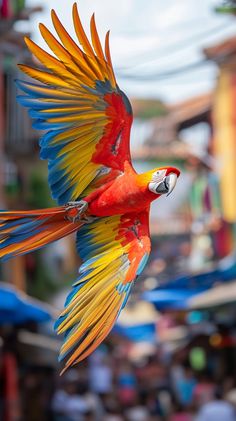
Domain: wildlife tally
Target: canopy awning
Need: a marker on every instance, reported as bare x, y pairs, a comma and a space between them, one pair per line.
177, 293
214, 297
17, 308
137, 333
224, 272
170, 299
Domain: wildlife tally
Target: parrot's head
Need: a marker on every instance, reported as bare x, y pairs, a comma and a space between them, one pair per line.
163, 180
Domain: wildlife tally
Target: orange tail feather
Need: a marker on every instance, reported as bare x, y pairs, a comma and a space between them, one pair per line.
24, 231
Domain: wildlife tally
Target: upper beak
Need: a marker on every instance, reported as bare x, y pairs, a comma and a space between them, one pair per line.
168, 184
171, 181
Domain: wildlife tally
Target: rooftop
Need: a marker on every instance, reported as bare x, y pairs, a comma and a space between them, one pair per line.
222, 50
191, 109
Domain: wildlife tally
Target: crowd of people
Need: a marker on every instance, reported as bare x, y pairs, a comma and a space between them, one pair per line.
112, 389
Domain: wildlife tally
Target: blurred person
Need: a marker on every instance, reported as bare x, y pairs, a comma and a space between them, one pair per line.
10, 396
36, 391
176, 375
89, 416
185, 387
153, 404
180, 414
100, 373
67, 404
229, 388
137, 412
93, 401
113, 417
230, 397
228, 384
153, 374
154, 418
113, 411
127, 384
217, 409
164, 397
204, 391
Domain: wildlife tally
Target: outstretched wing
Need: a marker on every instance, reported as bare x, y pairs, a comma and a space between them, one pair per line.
115, 251
87, 118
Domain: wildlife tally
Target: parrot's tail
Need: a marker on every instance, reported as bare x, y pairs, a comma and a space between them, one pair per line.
24, 231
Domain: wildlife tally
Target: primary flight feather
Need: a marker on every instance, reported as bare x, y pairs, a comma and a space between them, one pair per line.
87, 119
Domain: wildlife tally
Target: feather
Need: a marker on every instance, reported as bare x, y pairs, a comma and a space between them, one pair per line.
104, 282
82, 37
95, 39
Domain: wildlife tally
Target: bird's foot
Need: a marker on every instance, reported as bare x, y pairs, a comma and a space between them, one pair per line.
75, 211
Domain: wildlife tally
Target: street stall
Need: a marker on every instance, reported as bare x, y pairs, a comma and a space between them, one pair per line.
20, 316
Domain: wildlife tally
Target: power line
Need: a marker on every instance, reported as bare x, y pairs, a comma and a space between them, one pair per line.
184, 81
147, 56
166, 74
150, 31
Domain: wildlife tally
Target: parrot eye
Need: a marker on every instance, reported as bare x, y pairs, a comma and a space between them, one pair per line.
158, 175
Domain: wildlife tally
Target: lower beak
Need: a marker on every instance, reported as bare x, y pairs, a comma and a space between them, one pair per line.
167, 185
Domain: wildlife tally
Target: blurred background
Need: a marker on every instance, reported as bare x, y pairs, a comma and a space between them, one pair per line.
172, 354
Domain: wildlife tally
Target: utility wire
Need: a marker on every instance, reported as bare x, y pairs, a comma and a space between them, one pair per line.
166, 51
166, 74
202, 78
150, 31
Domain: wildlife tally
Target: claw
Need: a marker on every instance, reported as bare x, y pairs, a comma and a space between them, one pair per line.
81, 205
75, 211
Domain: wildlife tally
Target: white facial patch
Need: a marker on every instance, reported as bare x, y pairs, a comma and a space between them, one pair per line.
157, 178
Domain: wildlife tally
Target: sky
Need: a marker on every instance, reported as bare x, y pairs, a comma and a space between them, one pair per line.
149, 38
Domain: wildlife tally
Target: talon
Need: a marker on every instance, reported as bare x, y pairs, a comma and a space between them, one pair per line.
75, 210
81, 205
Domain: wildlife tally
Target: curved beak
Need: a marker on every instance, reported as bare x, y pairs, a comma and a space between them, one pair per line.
172, 180
168, 184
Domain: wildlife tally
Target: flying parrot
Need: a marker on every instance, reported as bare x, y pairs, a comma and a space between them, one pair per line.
74, 98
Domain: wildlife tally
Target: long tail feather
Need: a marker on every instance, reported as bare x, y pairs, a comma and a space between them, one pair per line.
91, 310
24, 231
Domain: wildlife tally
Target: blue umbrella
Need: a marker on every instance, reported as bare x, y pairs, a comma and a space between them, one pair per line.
137, 333
175, 293
225, 272
16, 308
170, 299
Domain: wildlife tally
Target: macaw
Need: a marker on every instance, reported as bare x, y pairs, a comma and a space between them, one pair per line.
87, 119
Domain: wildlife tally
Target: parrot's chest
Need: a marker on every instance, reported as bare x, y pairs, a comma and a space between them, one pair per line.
122, 197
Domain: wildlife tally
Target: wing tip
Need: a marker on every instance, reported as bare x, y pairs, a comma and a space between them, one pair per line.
75, 6
42, 28
30, 43
26, 39
75, 12
21, 66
